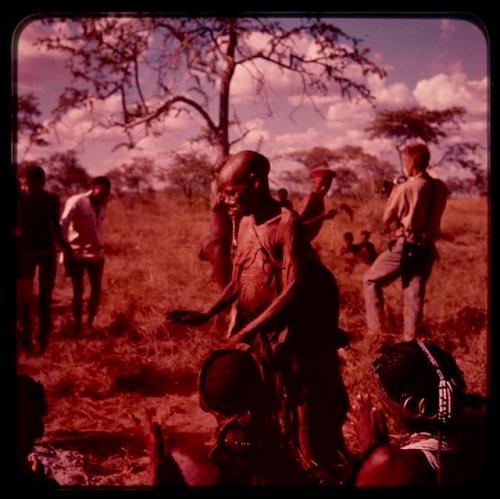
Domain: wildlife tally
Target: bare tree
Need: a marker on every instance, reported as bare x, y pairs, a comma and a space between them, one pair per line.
429, 125
28, 123
167, 66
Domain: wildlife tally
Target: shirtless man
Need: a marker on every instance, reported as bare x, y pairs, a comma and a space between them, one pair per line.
312, 210
287, 310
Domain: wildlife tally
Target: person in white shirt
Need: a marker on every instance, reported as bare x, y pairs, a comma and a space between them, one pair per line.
81, 224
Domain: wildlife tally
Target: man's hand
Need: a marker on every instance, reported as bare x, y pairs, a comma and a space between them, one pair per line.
189, 317
162, 469
331, 213
371, 424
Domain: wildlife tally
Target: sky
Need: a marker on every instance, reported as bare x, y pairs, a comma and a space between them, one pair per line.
431, 62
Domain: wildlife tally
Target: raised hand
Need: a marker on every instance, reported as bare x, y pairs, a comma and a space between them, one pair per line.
162, 469
371, 424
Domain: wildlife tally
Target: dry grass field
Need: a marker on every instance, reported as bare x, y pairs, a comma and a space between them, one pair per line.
97, 382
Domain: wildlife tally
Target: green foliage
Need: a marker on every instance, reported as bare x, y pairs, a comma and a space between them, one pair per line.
191, 173
351, 164
135, 177
429, 125
65, 174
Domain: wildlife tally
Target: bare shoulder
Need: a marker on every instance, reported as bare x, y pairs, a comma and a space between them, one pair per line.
388, 466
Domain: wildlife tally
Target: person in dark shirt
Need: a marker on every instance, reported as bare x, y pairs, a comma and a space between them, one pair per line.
37, 231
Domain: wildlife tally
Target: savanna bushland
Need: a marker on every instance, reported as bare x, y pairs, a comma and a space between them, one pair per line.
98, 384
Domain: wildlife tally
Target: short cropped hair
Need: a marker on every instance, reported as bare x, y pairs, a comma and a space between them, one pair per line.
34, 172
101, 180
348, 235
419, 153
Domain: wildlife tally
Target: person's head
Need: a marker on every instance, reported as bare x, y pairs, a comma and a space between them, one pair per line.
408, 383
365, 236
33, 178
101, 189
230, 382
282, 194
31, 408
322, 178
348, 238
243, 180
416, 158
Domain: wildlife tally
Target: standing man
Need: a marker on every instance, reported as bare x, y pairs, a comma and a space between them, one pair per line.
416, 206
287, 310
81, 224
312, 210
37, 231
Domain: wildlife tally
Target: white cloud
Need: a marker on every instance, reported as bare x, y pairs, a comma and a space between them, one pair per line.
443, 90
287, 142
348, 114
395, 95
244, 85
257, 135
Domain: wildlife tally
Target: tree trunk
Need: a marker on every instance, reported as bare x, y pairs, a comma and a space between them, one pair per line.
221, 224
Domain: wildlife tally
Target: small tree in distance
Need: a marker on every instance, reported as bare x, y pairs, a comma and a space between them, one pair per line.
135, 177
191, 173
429, 125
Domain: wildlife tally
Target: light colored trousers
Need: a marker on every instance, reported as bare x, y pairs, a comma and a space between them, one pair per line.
385, 269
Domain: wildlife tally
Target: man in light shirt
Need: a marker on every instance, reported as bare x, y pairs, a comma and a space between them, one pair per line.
416, 207
81, 223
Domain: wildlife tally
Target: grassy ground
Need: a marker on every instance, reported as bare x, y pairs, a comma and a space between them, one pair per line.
96, 383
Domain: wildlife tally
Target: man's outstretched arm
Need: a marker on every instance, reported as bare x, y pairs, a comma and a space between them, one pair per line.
195, 318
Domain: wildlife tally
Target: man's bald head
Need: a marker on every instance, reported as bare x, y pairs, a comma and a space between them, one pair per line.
243, 182
241, 165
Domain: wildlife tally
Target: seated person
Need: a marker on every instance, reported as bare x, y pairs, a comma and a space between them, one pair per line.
31, 408
423, 388
366, 249
348, 248
247, 448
